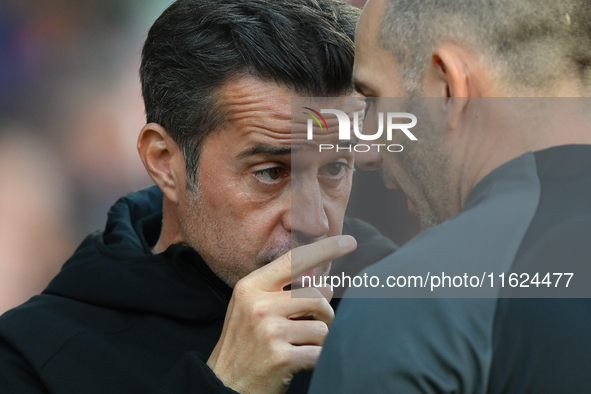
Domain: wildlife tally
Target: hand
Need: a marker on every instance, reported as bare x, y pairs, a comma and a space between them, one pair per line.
269, 335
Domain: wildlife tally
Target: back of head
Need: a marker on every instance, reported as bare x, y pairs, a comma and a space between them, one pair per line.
195, 46
529, 46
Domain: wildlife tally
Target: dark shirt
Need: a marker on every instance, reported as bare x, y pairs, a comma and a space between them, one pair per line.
530, 215
119, 319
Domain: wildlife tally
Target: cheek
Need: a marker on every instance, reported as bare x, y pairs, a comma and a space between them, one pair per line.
261, 216
335, 215
226, 194
335, 205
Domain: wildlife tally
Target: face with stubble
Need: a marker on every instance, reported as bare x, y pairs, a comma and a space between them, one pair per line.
240, 217
424, 169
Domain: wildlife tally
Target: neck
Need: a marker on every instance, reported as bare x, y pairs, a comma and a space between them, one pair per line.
171, 233
524, 125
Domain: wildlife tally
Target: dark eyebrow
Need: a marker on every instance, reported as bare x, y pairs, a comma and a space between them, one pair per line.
262, 149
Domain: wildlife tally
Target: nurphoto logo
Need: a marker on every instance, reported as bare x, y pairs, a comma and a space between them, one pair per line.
345, 129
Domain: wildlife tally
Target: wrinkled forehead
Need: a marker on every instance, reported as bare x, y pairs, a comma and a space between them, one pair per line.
272, 114
249, 102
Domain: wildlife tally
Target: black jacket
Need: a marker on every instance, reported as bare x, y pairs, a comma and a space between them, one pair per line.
118, 319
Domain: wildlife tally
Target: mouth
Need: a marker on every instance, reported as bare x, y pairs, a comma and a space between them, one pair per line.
298, 283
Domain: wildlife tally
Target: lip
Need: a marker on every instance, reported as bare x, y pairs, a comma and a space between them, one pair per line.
298, 282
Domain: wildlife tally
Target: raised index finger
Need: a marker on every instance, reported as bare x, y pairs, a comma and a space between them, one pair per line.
279, 273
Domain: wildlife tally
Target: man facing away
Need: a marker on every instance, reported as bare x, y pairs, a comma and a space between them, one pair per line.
502, 170
186, 288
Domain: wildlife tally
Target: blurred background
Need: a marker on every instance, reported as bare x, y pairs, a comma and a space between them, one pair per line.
70, 113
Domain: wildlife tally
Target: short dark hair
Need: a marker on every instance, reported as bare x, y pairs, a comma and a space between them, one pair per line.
195, 46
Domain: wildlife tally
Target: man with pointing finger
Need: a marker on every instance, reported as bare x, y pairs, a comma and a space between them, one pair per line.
187, 288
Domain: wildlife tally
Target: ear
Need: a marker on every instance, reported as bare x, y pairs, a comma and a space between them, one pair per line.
163, 160
448, 77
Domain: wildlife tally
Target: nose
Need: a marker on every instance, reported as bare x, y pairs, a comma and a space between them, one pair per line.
370, 160
308, 215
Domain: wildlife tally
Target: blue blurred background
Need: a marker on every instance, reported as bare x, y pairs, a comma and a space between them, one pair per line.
70, 112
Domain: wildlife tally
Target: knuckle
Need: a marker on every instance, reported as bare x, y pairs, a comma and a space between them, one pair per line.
284, 358
330, 313
321, 329
271, 330
314, 305
260, 308
241, 289
318, 302
310, 357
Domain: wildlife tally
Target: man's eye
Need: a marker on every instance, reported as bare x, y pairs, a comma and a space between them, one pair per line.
270, 174
335, 170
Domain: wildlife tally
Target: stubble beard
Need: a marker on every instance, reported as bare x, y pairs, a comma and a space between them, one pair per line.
203, 231
431, 191
427, 169
229, 259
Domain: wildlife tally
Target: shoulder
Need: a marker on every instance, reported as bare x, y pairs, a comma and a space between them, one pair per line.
477, 242
408, 345
39, 328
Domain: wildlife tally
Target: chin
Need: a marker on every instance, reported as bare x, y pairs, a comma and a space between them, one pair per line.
427, 216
